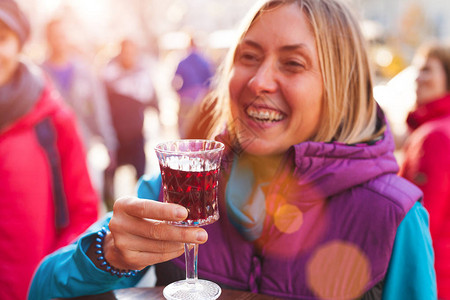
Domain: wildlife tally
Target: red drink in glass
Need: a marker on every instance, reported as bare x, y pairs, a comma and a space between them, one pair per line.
197, 191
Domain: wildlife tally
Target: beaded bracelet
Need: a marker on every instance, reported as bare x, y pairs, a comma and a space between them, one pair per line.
101, 257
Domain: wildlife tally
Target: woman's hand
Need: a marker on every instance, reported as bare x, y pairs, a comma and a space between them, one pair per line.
139, 236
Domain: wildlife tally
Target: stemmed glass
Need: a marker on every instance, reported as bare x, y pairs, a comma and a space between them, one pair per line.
190, 173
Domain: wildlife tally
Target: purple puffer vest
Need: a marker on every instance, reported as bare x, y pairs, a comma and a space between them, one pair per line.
330, 225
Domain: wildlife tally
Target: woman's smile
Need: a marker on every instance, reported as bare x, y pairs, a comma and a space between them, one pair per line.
264, 115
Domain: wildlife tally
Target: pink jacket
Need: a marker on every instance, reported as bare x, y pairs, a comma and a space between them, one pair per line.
29, 226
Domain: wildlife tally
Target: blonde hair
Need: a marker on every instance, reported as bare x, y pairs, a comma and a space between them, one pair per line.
349, 109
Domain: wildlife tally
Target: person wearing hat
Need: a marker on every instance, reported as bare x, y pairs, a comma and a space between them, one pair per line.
46, 196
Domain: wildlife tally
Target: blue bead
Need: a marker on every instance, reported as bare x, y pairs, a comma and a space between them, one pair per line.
98, 246
104, 263
108, 268
101, 234
100, 258
100, 251
99, 240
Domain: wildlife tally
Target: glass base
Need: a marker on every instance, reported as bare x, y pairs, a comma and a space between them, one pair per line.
200, 290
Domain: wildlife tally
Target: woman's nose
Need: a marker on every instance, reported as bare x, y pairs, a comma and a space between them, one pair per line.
264, 79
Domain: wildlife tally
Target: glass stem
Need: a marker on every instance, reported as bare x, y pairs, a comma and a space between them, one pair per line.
191, 254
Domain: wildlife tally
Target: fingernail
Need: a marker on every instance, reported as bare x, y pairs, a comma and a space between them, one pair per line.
180, 212
201, 236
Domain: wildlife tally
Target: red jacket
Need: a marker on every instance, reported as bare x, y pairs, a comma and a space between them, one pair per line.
27, 187
427, 164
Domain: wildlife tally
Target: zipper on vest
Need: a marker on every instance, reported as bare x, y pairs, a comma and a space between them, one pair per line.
255, 274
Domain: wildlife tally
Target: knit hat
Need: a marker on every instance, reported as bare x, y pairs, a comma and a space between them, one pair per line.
15, 19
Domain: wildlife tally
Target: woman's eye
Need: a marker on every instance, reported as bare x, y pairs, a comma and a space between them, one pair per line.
293, 65
248, 58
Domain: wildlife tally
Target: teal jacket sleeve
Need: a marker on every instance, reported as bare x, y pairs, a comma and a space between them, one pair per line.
68, 272
149, 186
411, 272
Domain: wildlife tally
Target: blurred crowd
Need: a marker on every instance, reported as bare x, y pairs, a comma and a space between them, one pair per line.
69, 123
127, 96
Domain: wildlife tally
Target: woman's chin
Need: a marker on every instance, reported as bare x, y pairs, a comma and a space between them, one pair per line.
259, 147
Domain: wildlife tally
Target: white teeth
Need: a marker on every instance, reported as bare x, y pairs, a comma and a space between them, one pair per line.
266, 115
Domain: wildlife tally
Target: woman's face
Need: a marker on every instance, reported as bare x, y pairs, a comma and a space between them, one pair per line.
9, 53
431, 81
276, 85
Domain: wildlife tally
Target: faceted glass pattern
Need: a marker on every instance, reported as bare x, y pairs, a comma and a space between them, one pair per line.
190, 174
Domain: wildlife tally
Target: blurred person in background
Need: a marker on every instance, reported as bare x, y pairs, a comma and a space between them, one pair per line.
130, 91
46, 197
427, 151
311, 206
192, 82
83, 91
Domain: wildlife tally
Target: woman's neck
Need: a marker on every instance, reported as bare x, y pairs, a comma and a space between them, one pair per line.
264, 167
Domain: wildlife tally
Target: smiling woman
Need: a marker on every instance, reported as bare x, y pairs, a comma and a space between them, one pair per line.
310, 203
330, 59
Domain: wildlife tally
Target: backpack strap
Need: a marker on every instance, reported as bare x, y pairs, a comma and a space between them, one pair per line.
46, 135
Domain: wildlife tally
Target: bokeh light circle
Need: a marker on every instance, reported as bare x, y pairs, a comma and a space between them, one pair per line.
288, 218
338, 270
